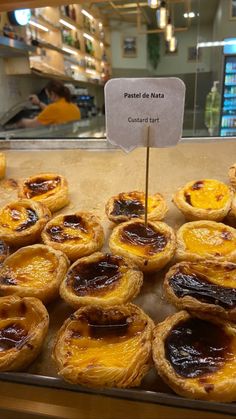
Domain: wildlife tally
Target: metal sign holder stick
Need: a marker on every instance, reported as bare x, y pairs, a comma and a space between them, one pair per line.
147, 175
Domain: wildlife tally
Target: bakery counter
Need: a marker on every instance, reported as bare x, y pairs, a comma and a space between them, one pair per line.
95, 172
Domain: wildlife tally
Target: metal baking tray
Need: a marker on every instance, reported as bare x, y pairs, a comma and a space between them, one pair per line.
96, 171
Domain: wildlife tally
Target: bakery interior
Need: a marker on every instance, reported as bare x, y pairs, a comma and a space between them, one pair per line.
113, 304
85, 47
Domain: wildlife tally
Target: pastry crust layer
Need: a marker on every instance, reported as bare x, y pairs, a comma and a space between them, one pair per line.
232, 175
105, 347
21, 222
195, 356
76, 235
49, 188
23, 328
33, 271
206, 199
128, 205
101, 279
198, 240
150, 248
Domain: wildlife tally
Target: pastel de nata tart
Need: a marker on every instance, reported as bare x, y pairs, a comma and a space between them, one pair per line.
23, 328
4, 251
199, 240
49, 188
232, 175
206, 199
150, 247
105, 347
33, 271
2, 165
204, 286
128, 205
76, 235
196, 356
101, 279
21, 222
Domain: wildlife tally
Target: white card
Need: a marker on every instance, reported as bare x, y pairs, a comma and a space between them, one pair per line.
133, 104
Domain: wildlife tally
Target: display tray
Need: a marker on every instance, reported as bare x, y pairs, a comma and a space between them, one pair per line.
94, 176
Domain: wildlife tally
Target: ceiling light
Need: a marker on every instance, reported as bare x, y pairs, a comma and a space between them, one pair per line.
169, 30
85, 13
215, 44
38, 25
189, 15
68, 25
173, 44
100, 25
161, 15
70, 51
101, 44
88, 36
154, 3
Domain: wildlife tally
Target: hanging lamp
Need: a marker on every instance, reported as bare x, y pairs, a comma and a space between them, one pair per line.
172, 44
169, 31
162, 15
154, 3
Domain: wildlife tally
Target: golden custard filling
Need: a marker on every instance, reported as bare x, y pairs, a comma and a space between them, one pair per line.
202, 352
17, 218
210, 240
71, 228
141, 240
207, 194
41, 187
35, 269
93, 342
133, 203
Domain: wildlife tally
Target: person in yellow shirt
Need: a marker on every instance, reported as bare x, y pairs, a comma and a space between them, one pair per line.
60, 111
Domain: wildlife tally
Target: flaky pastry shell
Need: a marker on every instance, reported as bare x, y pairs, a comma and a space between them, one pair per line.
232, 175
23, 328
206, 199
150, 248
4, 251
49, 188
198, 240
128, 205
21, 222
105, 347
195, 356
101, 279
33, 271
76, 235
205, 286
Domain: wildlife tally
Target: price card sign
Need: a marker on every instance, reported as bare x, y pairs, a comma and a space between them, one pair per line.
134, 104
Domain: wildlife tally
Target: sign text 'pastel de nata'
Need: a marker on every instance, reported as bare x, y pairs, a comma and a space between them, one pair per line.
134, 104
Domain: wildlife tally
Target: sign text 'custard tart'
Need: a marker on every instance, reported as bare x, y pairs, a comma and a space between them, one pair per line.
23, 328
151, 247
196, 356
49, 188
206, 199
33, 271
21, 222
127, 205
101, 279
204, 286
77, 235
199, 240
105, 347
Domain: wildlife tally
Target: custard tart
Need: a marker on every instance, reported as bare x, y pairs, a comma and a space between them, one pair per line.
4, 251
23, 328
101, 279
21, 222
232, 175
127, 205
33, 271
204, 286
76, 235
105, 347
206, 199
49, 188
150, 247
196, 356
2, 165
198, 240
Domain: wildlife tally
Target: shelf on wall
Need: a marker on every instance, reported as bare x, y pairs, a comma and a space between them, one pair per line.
14, 48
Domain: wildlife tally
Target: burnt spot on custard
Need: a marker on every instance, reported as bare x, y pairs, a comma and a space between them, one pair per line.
7, 280
130, 207
108, 325
196, 347
95, 278
197, 286
188, 198
4, 250
197, 185
137, 234
58, 234
41, 186
226, 235
12, 336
